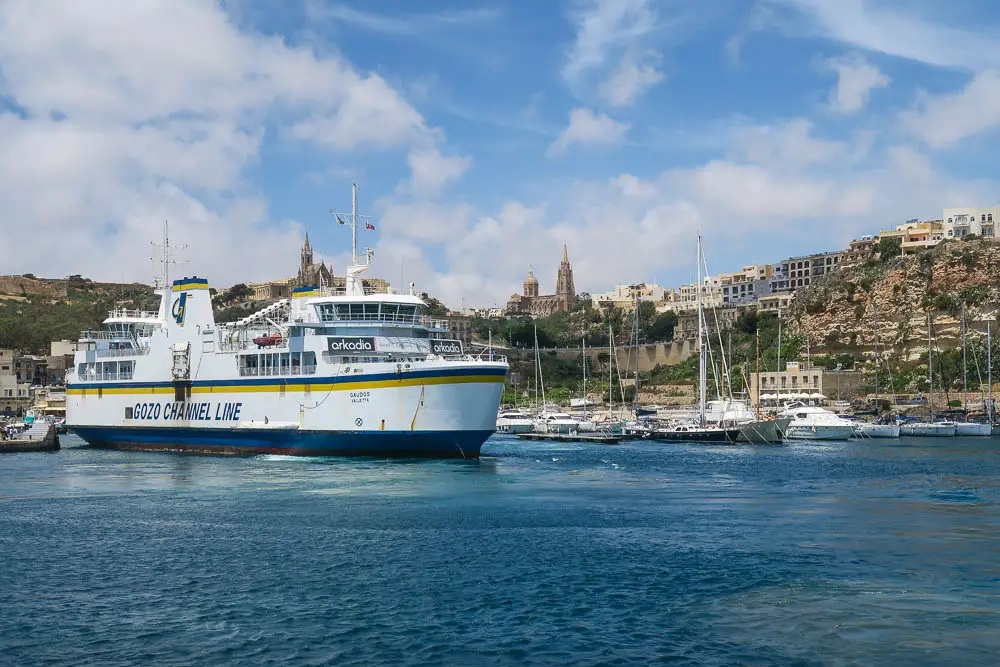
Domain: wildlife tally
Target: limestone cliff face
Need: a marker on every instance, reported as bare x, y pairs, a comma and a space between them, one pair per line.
838, 313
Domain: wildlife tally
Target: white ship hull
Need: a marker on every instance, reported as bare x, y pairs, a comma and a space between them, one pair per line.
928, 430
878, 430
819, 432
433, 412
973, 429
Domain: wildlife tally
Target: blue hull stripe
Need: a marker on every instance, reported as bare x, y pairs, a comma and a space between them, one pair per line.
301, 379
424, 444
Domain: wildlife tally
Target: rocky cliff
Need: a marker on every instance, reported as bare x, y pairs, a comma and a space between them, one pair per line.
838, 313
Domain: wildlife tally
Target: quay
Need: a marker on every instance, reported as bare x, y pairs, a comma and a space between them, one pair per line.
41, 437
569, 437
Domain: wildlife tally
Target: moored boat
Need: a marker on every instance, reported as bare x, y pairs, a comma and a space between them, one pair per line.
871, 430
809, 422
354, 373
929, 429
973, 429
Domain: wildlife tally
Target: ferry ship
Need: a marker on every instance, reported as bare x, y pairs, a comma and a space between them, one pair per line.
342, 372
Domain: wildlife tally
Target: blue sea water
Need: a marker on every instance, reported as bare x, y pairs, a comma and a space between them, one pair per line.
854, 553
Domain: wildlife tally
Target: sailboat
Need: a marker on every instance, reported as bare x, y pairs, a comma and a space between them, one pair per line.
968, 428
554, 420
929, 428
877, 430
700, 431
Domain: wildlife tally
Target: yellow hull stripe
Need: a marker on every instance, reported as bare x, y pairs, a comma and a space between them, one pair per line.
295, 386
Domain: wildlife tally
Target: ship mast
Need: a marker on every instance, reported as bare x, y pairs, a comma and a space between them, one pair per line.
702, 376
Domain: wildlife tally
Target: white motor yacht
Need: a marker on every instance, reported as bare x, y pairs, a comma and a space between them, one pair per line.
809, 422
514, 421
562, 422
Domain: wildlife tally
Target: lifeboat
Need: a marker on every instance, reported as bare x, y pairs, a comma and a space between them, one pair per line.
267, 341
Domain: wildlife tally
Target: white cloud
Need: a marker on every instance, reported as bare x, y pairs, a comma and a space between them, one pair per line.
890, 30
609, 46
629, 81
589, 129
779, 186
162, 106
944, 120
788, 145
856, 78
431, 171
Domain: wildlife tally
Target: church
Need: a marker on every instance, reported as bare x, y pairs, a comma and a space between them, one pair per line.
532, 303
310, 274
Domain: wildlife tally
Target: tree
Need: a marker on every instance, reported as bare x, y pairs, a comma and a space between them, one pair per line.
434, 307
662, 328
647, 314
238, 292
888, 248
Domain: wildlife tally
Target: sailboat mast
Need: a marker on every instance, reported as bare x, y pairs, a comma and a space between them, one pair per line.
778, 386
930, 367
538, 367
875, 308
584, 352
965, 373
758, 372
702, 376
989, 371
611, 369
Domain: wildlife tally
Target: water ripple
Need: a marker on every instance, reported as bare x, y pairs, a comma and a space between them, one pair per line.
539, 554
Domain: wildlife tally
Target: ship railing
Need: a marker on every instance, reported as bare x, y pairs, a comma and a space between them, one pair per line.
127, 314
381, 318
246, 371
102, 334
104, 377
470, 357
122, 352
342, 291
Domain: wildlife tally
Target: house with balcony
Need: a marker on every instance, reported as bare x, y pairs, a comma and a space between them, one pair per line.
961, 222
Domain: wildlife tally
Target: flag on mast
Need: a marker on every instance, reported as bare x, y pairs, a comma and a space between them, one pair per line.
369, 225
341, 220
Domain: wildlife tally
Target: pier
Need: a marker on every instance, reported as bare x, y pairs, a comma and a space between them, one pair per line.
41, 437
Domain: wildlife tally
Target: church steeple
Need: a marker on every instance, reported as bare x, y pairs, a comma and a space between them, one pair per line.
565, 290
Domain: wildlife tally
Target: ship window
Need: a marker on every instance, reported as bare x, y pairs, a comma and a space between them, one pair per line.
407, 313
128, 413
371, 311
390, 311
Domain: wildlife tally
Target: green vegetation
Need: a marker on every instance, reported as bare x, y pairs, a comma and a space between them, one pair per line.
30, 325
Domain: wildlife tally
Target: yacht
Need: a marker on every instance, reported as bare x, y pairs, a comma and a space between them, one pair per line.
696, 433
514, 421
562, 422
973, 429
872, 430
929, 429
810, 422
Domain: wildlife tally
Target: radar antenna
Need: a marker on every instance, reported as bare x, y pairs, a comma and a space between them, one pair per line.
166, 257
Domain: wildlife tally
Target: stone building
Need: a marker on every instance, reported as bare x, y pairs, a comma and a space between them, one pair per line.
310, 273
541, 305
802, 381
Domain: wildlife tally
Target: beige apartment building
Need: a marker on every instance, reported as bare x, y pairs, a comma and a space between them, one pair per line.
802, 381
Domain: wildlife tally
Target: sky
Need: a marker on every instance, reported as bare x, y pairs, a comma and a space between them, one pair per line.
485, 135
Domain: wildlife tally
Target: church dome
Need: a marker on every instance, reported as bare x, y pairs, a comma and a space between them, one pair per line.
531, 279
531, 284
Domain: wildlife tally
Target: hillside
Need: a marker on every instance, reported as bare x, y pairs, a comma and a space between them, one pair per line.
44, 310
838, 313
